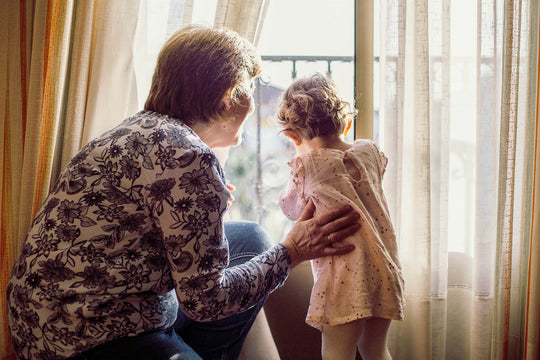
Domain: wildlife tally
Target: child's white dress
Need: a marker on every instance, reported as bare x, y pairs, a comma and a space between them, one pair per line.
368, 281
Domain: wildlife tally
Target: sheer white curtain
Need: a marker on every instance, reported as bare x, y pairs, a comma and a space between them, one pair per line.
456, 118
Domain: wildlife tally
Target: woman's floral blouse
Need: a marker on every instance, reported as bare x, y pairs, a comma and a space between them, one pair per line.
136, 215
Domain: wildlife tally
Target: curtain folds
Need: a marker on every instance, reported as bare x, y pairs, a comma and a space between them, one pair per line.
246, 18
32, 89
112, 91
69, 72
78, 63
458, 122
532, 293
52, 90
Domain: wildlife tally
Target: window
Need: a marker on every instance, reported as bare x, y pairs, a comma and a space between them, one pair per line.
298, 38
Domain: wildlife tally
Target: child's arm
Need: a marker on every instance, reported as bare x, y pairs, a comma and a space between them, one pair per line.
291, 200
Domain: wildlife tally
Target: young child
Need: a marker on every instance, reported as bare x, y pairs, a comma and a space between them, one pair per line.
355, 296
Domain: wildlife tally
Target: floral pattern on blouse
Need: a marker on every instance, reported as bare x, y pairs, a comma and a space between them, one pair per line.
132, 230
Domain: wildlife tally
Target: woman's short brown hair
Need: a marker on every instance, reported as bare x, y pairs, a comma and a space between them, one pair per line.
312, 106
196, 68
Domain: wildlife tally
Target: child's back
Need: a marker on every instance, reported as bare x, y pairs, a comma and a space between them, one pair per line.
354, 296
366, 282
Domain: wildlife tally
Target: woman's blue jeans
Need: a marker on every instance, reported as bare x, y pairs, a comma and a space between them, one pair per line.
188, 339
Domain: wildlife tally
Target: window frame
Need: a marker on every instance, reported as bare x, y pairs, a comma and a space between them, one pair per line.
363, 68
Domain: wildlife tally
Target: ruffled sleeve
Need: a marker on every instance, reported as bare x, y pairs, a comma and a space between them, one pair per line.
292, 200
383, 161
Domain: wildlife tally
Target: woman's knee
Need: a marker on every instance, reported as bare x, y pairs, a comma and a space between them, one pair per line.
246, 240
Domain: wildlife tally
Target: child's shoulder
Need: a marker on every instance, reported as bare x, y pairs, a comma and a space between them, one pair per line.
365, 144
366, 148
316, 156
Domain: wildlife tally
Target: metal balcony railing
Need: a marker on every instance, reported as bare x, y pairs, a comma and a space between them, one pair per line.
295, 59
259, 156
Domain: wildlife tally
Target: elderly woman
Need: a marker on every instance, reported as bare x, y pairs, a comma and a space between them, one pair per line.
129, 256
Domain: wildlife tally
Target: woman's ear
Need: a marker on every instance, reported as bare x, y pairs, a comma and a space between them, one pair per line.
227, 100
293, 136
347, 128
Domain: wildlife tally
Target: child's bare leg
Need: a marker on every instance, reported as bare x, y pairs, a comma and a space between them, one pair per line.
372, 344
339, 341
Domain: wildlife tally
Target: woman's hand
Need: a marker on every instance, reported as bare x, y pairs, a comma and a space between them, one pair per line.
231, 199
313, 237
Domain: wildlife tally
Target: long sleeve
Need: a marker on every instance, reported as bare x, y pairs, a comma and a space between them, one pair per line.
189, 201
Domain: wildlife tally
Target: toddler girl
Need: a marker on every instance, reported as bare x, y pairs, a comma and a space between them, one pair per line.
355, 296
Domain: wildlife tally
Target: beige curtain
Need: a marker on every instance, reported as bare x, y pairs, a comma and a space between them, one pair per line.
532, 319
55, 81
531, 339
36, 36
246, 18
458, 118
112, 90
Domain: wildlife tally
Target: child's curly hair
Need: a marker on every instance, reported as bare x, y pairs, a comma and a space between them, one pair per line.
312, 106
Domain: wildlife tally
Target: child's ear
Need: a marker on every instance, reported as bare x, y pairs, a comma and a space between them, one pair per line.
348, 127
293, 136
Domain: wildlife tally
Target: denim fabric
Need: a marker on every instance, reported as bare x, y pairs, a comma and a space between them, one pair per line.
157, 345
192, 340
